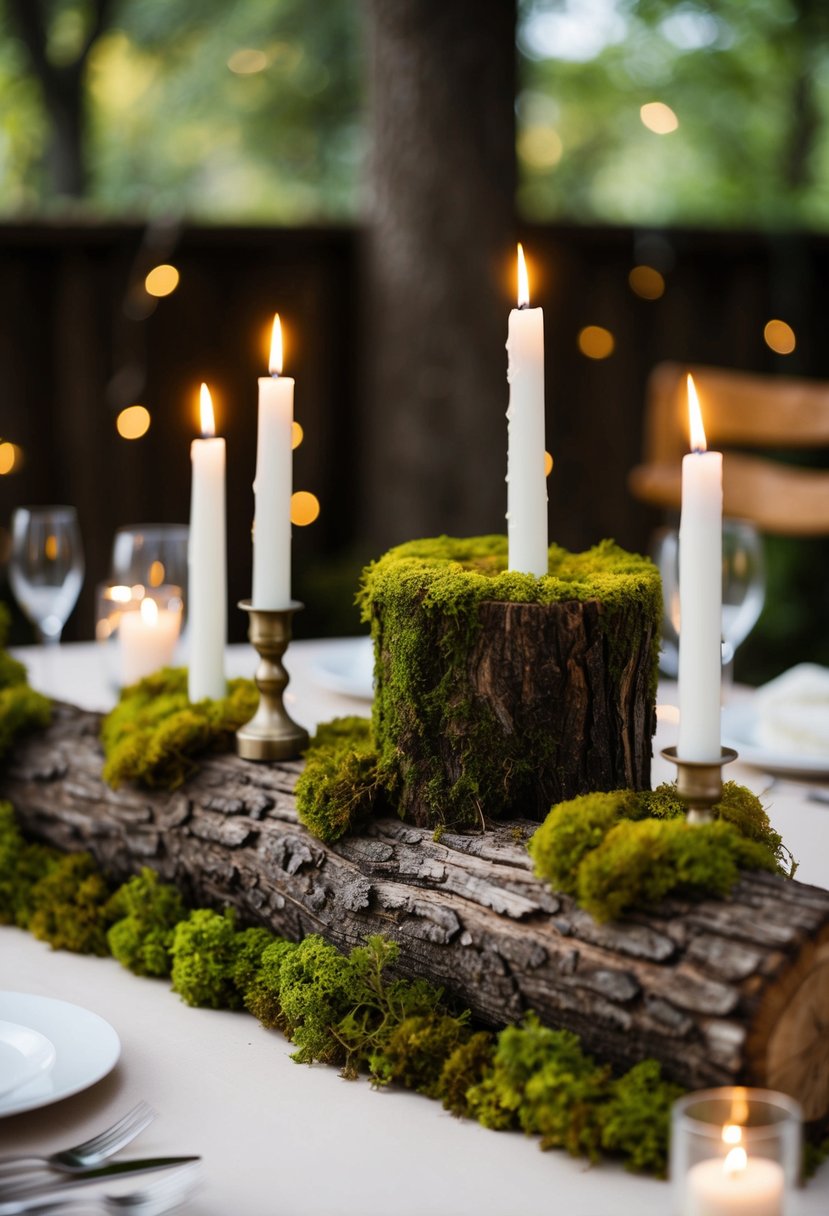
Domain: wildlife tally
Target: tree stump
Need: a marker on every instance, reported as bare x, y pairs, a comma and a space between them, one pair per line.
499, 694
720, 991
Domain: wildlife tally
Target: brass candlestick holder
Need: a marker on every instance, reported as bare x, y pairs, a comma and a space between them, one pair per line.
271, 734
699, 782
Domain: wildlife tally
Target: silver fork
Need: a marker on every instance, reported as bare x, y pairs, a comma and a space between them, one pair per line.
91, 1152
164, 1194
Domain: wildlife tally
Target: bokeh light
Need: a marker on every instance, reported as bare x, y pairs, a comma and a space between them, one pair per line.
596, 342
548, 464
658, 117
540, 147
780, 337
646, 282
161, 281
247, 61
305, 507
297, 435
11, 458
133, 422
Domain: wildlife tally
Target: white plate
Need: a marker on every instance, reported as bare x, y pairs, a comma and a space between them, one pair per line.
86, 1049
24, 1055
738, 726
347, 667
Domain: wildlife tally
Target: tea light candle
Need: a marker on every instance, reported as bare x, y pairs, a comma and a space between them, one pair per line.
207, 562
734, 1186
147, 639
526, 472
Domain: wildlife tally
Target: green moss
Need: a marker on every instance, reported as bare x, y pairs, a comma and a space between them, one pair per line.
416, 1050
154, 733
261, 994
204, 958
615, 851
342, 783
21, 708
318, 988
464, 1070
635, 1120
146, 912
423, 600
69, 906
22, 865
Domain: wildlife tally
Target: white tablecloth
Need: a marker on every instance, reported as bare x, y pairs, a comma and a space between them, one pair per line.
279, 1139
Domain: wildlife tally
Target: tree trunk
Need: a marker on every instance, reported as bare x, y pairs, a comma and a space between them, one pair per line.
439, 252
718, 990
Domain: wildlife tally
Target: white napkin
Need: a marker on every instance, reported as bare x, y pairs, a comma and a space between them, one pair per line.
793, 712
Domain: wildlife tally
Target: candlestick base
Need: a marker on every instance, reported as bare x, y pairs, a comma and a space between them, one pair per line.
699, 782
271, 734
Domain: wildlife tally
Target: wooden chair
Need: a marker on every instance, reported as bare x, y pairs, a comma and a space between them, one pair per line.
740, 410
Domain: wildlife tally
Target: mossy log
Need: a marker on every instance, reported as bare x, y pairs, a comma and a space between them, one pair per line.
500, 693
720, 991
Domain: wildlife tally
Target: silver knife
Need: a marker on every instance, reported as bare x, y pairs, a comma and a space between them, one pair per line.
60, 1184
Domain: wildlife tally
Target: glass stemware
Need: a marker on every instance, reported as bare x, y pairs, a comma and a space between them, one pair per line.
151, 555
46, 567
743, 589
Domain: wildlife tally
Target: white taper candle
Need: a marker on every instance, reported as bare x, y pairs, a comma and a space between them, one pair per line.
700, 596
526, 474
273, 483
207, 560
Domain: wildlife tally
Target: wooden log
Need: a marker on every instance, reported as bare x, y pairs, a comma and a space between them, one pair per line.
720, 991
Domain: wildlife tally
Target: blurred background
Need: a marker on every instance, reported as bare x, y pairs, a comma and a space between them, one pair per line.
172, 173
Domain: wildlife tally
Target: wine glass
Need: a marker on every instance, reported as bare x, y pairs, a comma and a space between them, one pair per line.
151, 555
743, 590
46, 567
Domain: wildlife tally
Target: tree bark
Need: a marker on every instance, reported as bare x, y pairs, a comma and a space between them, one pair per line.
439, 248
718, 990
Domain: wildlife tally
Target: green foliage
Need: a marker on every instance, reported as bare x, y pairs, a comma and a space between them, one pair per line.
146, 912
614, 851
69, 906
423, 601
22, 865
318, 988
343, 782
261, 994
204, 959
154, 733
21, 708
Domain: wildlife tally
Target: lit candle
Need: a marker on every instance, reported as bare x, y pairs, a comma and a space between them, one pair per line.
526, 472
734, 1186
700, 596
147, 639
272, 486
207, 626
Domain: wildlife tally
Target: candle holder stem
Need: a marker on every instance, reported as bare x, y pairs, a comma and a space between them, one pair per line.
699, 782
271, 734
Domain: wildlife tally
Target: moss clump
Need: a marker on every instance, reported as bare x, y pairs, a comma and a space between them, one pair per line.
423, 600
146, 912
614, 851
22, 866
154, 732
635, 1120
261, 994
69, 906
21, 708
464, 1070
342, 783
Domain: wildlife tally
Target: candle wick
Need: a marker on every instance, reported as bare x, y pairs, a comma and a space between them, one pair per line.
274, 375
522, 306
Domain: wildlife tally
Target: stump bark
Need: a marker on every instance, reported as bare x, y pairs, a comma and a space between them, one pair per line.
720, 991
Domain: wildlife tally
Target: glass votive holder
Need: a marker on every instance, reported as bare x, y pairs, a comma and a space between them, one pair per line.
138, 628
734, 1152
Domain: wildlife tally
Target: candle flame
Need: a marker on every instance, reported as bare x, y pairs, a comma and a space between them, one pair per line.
275, 363
149, 611
698, 440
735, 1162
523, 281
208, 421
732, 1134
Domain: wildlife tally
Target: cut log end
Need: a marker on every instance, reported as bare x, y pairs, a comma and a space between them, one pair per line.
790, 1043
